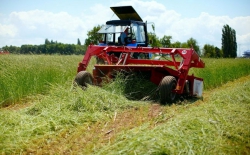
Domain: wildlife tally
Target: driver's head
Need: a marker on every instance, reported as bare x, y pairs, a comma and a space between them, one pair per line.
126, 30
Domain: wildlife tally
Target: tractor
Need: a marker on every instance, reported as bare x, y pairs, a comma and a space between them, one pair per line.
125, 46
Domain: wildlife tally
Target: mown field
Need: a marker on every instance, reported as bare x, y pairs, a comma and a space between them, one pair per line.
42, 114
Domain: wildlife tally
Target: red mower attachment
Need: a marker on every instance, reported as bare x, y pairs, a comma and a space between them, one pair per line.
171, 75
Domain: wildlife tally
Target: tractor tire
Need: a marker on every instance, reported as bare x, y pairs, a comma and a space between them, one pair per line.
166, 87
83, 78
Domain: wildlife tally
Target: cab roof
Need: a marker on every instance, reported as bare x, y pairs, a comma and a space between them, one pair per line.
123, 22
126, 13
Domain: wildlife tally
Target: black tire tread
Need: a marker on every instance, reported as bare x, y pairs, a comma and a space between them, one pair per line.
83, 78
165, 89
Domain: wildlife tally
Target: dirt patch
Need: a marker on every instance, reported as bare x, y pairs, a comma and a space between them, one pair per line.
155, 110
16, 106
22, 103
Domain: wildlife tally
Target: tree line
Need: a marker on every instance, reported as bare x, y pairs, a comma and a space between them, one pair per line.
49, 47
228, 49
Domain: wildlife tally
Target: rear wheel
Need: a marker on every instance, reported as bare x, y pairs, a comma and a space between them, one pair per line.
83, 78
166, 87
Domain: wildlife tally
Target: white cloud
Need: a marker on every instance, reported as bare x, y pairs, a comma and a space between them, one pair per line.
37, 25
33, 27
8, 30
42, 24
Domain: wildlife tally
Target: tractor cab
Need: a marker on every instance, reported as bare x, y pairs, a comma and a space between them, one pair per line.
130, 30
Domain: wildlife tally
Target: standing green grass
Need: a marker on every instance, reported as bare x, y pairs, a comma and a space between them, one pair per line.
219, 71
27, 75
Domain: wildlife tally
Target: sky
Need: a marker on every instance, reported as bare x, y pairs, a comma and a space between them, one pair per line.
31, 22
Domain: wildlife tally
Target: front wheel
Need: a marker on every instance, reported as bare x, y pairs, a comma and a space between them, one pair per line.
166, 89
83, 78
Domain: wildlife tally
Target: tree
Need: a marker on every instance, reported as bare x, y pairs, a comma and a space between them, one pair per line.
166, 41
218, 52
78, 42
185, 45
194, 44
176, 44
154, 40
47, 41
208, 51
211, 52
229, 44
12, 49
93, 36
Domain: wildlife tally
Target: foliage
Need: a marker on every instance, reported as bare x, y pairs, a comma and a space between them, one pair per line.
93, 36
154, 40
12, 49
176, 44
78, 42
191, 43
47, 41
166, 41
194, 44
229, 44
50, 47
218, 52
210, 51
185, 45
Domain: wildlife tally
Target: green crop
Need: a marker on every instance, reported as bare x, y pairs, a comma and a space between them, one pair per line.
220, 71
27, 75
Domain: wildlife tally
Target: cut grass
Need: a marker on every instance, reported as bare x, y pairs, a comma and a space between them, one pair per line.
57, 113
220, 125
97, 121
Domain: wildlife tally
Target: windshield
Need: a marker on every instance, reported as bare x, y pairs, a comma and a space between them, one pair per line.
112, 29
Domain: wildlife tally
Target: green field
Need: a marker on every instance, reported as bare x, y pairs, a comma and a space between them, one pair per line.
27, 75
42, 114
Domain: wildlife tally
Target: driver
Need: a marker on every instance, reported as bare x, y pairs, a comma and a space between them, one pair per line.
123, 36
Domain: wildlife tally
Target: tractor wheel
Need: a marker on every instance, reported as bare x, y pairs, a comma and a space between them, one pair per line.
166, 87
83, 78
